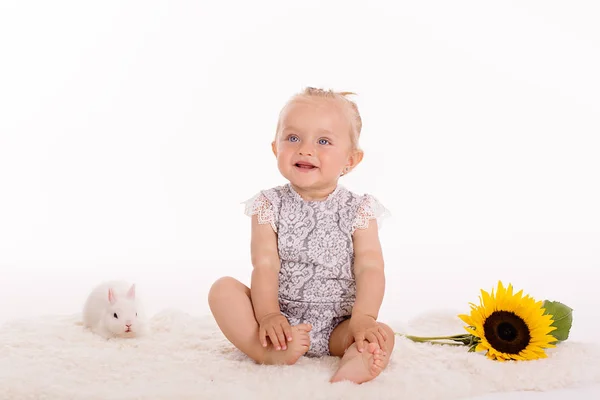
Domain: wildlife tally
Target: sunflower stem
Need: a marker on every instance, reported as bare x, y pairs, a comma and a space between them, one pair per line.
430, 338
443, 343
464, 339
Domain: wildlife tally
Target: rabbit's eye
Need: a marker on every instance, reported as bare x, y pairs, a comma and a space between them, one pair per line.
136, 314
116, 316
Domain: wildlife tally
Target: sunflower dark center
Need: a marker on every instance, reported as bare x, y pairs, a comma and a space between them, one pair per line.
506, 332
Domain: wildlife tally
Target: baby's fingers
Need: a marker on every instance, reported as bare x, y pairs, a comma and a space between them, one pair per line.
274, 338
287, 330
383, 333
280, 336
359, 339
262, 336
380, 340
371, 337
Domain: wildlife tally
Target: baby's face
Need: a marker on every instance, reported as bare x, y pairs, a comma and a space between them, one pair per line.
313, 145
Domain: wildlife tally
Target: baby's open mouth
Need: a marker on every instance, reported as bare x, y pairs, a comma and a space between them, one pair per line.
304, 165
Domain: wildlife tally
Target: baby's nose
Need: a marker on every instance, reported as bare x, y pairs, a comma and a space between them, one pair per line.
306, 151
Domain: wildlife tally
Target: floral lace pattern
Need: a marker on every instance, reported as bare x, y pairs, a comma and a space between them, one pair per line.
314, 238
368, 210
260, 206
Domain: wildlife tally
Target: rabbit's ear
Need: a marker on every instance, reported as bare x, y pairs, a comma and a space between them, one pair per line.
111, 296
131, 292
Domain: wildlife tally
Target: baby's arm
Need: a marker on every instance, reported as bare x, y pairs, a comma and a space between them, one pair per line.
370, 286
264, 287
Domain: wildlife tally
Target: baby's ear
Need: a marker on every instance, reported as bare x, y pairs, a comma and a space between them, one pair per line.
111, 296
355, 158
274, 147
131, 292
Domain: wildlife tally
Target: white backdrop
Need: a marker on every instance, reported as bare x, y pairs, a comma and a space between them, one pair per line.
130, 133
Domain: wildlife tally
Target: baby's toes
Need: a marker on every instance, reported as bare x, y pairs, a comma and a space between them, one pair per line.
301, 337
304, 327
374, 348
379, 359
304, 340
304, 337
376, 368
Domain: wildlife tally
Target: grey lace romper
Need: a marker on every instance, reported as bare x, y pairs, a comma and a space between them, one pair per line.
316, 278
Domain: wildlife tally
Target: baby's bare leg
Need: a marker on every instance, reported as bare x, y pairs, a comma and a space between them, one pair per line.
231, 305
359, 367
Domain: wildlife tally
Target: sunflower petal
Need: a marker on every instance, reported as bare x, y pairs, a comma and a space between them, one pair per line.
466, 319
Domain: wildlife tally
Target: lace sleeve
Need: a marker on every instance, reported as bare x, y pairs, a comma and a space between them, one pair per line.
262, 207
369, 209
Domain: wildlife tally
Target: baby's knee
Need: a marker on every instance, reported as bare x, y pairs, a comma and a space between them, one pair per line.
222, 288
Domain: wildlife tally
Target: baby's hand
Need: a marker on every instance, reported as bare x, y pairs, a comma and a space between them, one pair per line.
365, 328
277, 328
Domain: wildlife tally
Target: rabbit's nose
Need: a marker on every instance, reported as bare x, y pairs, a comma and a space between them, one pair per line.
128, 325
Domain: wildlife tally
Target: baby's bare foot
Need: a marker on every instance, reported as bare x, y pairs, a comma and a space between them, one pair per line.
361, 367
296, 348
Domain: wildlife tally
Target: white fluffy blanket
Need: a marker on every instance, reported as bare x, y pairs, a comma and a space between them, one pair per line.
188, 358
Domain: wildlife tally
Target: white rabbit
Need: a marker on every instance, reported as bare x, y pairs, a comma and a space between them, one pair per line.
112, 310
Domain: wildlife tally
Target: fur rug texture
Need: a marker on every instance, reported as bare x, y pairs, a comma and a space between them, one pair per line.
186, 357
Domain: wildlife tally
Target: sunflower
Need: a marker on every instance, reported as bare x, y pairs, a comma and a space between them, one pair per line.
510, 326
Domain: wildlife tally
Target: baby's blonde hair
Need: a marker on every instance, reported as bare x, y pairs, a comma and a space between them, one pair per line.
348, 107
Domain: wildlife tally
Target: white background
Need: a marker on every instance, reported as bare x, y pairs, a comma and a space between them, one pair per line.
130, 133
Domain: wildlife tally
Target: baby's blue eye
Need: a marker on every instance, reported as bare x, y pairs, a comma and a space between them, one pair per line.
293, 138
323, 141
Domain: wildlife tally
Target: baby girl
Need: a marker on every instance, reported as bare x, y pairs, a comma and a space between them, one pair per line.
318, 272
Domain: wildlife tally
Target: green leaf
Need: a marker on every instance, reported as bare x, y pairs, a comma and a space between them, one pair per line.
562, 317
